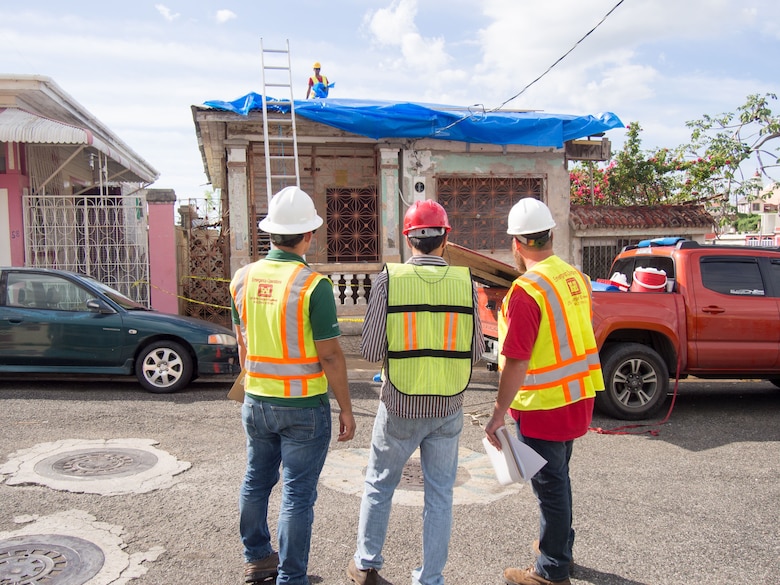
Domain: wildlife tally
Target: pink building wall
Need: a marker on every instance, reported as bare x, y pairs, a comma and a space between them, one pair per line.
162, 250
162, 230
15, 182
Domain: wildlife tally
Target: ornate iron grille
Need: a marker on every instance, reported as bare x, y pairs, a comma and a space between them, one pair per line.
206, 272
260, 244
353, 225
478, 207
99, 234
597, 257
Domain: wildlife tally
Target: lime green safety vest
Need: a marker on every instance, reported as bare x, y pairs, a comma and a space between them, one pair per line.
564, 365
273, 300
430, 328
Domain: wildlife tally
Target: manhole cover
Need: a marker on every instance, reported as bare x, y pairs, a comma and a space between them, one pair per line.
48, 559
412, 476
113, 462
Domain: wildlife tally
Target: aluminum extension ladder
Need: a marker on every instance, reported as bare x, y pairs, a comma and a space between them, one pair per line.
280, 137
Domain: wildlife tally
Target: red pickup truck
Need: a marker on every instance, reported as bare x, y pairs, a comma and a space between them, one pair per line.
719, 318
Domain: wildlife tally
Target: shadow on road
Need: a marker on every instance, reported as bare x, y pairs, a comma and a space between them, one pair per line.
710, 413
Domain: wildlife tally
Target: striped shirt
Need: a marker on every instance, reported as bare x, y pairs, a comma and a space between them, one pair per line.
373, 347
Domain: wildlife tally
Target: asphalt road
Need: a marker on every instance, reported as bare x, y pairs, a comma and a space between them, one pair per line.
696, 503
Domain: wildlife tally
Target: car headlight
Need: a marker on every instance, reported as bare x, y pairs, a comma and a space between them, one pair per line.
222, 339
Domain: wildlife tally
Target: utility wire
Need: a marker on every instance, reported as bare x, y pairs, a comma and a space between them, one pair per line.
522, 91
561, 58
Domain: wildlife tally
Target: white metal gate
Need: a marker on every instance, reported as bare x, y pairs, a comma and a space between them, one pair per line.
103, 235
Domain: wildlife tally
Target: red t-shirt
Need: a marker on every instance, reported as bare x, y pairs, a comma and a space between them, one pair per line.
320, 79
523, 317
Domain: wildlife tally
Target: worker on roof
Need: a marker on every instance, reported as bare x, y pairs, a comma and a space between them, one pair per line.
318, 84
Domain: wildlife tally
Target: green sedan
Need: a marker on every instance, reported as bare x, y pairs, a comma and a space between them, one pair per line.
53, 321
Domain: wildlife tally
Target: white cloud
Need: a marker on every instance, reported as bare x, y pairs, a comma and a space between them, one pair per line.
166, 12
224, 15
395, 27
656, 62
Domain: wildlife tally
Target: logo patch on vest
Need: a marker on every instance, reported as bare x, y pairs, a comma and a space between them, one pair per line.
265, 290
574, 286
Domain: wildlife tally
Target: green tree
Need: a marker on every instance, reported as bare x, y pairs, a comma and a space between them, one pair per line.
710, 169
633, 177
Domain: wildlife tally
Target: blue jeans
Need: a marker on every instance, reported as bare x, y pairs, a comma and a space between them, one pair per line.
298, 439
393, 442
552, 488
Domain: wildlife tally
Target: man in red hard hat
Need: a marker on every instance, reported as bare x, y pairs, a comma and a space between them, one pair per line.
422, 323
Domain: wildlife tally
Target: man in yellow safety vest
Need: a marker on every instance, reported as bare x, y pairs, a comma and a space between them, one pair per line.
422, 322
318, 84
285, 317
550, 373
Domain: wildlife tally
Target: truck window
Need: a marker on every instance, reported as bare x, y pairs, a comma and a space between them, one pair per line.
774, 274
732, 276
628, 265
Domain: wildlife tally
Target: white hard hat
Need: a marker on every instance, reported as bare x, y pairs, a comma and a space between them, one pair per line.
291, 211
529, 216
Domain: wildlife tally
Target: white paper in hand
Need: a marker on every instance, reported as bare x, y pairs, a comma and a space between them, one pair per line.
516, 461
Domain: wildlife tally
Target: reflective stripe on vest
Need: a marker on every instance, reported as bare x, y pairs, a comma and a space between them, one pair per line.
564, 365
273, 299
430, 328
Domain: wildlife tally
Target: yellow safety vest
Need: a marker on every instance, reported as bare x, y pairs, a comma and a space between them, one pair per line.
564, 365
314, 81
430, 328
273, 299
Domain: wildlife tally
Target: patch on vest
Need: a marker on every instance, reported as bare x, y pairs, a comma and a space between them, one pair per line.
265, 290
574, 286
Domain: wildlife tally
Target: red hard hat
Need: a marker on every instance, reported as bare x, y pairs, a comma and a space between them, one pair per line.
425, 214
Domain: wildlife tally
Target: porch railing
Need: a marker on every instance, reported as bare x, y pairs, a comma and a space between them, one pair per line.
351, 286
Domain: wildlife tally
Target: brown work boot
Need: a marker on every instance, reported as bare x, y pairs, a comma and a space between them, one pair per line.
261, 570
529, 576
361, 576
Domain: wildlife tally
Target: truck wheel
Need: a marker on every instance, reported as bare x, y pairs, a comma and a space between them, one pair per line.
636, 382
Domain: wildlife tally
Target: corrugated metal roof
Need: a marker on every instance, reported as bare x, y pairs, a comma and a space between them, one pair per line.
41, 97
17, 125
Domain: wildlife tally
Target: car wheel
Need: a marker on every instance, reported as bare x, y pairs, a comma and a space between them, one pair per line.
164, 367
636, 382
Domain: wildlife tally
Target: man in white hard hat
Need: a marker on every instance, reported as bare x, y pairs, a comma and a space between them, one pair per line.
285, 317
550, 373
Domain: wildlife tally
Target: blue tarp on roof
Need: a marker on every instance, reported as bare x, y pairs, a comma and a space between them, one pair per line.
381, 119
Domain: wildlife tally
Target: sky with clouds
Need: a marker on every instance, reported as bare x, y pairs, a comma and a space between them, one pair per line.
139, 66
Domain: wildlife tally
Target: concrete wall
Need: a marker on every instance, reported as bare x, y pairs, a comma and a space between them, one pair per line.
162, 250
432, 158
392, 167
13, 184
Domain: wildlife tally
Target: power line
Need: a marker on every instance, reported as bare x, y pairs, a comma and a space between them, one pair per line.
522, 91
561, 58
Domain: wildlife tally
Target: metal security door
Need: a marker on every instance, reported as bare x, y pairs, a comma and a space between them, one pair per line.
103, 235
